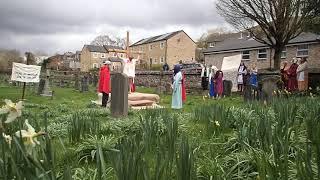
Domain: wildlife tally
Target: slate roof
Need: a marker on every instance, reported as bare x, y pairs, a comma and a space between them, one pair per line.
236, 44
93, 48
156, 38
112, 47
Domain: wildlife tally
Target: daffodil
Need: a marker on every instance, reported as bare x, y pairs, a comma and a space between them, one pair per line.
217, 123
14, 110
29, 136
7, 138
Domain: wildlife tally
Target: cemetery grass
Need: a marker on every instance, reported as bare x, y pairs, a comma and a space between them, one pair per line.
209, 139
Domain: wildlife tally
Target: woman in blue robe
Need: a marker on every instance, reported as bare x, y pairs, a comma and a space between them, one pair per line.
211, 82
177, 88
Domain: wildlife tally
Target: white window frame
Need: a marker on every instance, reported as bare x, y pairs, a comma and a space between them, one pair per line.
95, 55
155, 61
95, 65
262, 53
302, 50
161, 59
103, 55
161, 45
284, 53
212, 44
150, 47
121, 55
242, 54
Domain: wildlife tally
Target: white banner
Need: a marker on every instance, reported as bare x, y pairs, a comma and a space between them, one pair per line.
230, 67
25, 73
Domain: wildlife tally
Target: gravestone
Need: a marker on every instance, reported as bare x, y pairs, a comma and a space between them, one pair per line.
76, 81
119, 92
41, 86
269, 86
95, 80
227, 87
84, 84
47, 90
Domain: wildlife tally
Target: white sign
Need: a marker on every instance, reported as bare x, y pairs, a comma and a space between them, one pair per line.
230, 67
25, 73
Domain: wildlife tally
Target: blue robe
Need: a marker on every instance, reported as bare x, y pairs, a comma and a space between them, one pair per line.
177, 92
254, 80
211, 88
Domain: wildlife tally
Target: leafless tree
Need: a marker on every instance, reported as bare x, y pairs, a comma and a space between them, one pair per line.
272, 22
107, 40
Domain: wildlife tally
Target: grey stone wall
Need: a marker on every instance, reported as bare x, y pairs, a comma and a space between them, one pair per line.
157, 78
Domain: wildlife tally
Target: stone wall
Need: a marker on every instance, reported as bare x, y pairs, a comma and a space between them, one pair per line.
158, 78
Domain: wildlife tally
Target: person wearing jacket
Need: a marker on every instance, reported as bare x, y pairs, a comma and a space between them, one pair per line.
104, 82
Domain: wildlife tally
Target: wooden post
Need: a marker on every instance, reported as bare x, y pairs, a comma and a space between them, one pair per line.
24, 84
128, 50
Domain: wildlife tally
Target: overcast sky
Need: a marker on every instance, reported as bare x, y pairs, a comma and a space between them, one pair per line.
66, 25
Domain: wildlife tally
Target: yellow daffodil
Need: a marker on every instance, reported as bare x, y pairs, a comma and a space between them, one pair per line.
29, 136
7, 138
217, 123
14, 110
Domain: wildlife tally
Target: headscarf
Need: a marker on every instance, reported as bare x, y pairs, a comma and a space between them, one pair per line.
176, 69
244, 66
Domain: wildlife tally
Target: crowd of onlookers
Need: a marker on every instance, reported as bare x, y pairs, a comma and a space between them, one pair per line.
294, 76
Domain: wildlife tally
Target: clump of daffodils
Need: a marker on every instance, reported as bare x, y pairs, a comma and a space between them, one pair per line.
29, 136
217, 123
14, 110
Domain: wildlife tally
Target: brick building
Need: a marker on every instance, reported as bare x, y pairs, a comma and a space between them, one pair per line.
166, 48
92, 56
305, 45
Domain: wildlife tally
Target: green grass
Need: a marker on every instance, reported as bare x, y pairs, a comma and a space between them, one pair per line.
75, 99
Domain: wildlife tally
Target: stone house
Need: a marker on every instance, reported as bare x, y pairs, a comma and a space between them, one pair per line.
92, 56
305, 45
166, 48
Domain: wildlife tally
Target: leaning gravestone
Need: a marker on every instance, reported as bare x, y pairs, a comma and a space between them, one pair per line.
227, 87
47, 90
119, 92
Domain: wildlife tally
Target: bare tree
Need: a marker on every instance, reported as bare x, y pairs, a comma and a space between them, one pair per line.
107, 40
271, 22
7, 57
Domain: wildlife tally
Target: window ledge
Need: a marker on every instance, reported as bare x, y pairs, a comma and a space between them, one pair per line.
262, 59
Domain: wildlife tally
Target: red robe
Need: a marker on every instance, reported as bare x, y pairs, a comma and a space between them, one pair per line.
104, 80
184, 92
292, 77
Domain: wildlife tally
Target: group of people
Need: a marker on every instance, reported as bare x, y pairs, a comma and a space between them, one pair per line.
247, 76
212, 79
294, 77
104, 86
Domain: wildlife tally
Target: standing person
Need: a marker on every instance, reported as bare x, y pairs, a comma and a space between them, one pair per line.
284, 74
165, 67
219, 83
254, 79
130, 69
104, 82
212, 92
301, 74
204, 77
242, 71
292, 76
177, 88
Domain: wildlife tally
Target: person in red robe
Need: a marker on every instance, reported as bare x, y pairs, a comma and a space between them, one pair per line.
292, 76
184, 92
104, 82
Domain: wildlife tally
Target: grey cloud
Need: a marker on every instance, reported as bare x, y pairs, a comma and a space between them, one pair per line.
26, 18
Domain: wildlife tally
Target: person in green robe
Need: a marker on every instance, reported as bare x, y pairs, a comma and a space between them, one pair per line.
177, 88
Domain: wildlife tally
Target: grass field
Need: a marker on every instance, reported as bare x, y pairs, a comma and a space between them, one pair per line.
207, 140
76, 99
